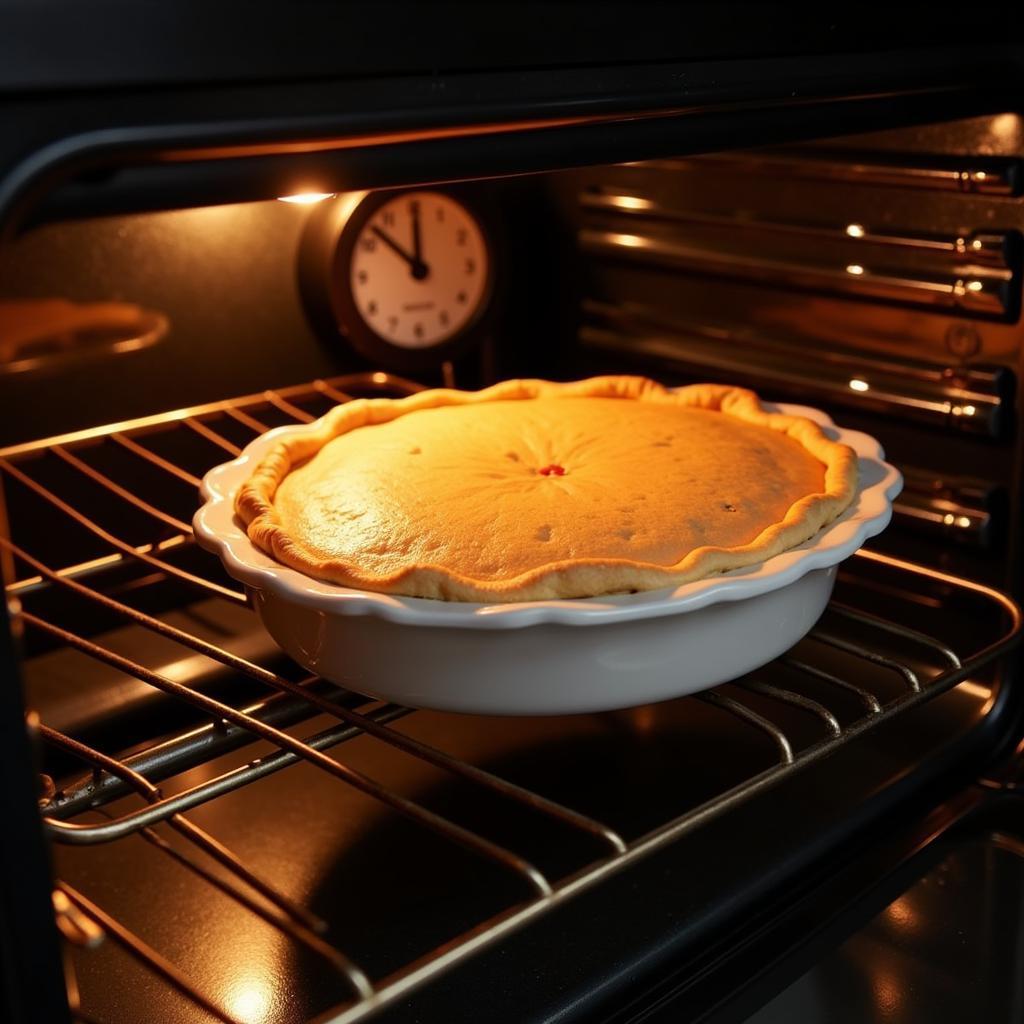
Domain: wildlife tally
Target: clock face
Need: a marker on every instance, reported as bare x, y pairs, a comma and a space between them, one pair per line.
419, 270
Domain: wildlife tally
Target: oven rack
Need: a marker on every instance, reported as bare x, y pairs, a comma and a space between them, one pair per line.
89, 581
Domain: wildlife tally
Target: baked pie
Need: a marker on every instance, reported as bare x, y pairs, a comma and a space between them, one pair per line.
531, 490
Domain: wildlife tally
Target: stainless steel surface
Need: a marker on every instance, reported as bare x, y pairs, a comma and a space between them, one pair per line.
970, 399
967, 287
987, 176
954, 510
793, 705
988, 247
203, 744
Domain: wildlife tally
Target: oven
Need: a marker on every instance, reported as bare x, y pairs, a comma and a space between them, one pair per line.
196, 829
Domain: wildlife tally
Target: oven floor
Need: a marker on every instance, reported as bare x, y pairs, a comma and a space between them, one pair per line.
390, 890
949, 949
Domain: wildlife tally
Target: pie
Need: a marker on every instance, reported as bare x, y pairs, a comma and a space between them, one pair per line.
531, 490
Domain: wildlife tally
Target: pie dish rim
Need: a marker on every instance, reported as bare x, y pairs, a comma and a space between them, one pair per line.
581, 575
219, 530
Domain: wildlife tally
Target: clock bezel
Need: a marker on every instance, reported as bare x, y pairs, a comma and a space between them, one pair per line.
345, 313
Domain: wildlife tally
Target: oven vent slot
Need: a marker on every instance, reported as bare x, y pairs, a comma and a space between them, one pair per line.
970, 289
963, 511
997, 250
993, 176
968, 399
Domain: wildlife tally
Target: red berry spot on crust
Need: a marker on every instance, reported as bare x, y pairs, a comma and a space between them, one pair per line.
553, 470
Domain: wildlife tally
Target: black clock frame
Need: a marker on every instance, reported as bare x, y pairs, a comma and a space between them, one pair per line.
325, 257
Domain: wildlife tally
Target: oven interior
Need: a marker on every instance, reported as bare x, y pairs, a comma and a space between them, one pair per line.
234, 841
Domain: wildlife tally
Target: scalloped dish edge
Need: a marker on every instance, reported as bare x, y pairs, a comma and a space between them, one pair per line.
219, 530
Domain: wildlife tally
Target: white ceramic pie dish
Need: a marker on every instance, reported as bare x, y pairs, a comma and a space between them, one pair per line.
546, 657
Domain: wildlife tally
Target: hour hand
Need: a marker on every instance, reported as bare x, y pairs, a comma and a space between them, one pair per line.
417, 248
416, 265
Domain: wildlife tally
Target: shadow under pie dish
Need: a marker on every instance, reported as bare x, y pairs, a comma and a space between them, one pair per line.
402, 547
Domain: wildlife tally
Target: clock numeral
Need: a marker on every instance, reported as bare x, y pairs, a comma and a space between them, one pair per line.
362, 277
388, 216
392, 323
414, 207
461, 297
461, 236
439, 214
368, 244
371, 308
418, 330
470, 266
443, 318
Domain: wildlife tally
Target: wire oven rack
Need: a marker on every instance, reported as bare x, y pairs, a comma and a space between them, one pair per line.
164, 551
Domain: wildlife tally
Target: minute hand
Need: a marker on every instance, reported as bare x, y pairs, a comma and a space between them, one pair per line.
392, 244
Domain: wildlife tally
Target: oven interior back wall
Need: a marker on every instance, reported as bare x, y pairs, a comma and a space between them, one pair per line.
225, 281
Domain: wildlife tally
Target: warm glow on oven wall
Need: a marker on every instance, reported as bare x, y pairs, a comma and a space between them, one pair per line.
306, 198
250, 999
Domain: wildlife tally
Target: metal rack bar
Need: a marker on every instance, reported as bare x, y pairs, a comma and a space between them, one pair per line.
193, 833
211, 435
288, 407
797, 700
408, 744
327, 391
905, 671
377, 383
401, 982
289, 918
144, 954
298, 933
869, 700
123, 547
144, 453
435, 822
221, 784
904, 632
95, 566
734, 707
104, 481
247, 420
199, 746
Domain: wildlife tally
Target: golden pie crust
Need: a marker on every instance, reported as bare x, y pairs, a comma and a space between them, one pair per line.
531, 490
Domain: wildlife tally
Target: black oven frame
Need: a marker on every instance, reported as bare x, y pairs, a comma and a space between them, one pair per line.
84, 138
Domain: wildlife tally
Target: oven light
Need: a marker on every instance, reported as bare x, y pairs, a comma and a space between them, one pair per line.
963, 522
855, 268
633, 203
305, 198
856, 384
633, 241
974, 286
969, 410
949, 519
980, 175
855, 230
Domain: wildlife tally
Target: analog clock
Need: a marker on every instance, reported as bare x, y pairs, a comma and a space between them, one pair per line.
409, 275
419, 270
